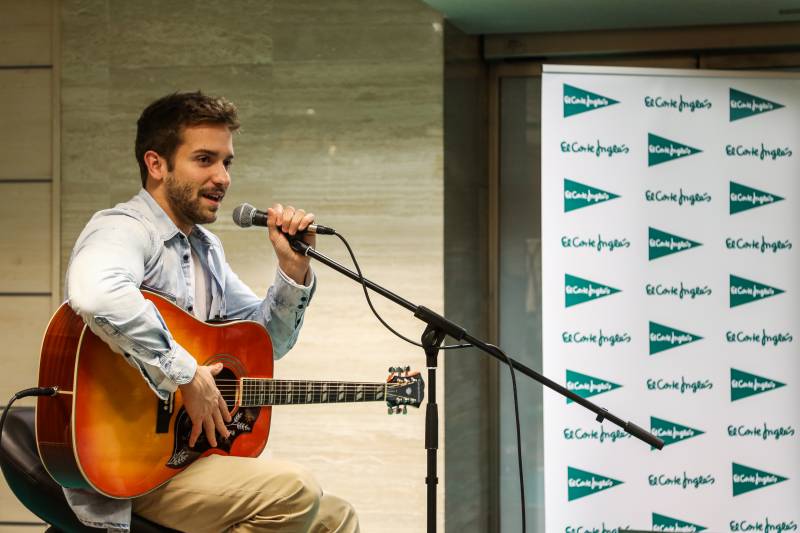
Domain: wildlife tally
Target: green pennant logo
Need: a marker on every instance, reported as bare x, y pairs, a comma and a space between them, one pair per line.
670, 432
746, 479
578, 100
664, 338
661, 150
581, 483
744, 384
661, 243
577, 195
743, 291
586, 386
667, 523
743, 105
743, 198
578, 290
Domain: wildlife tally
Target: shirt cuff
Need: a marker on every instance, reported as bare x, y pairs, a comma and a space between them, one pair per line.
307, 283
289, 293
179, 367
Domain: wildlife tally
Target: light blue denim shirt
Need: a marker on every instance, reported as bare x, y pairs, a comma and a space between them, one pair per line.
135, 246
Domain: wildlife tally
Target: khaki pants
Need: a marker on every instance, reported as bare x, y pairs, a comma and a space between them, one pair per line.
240, 494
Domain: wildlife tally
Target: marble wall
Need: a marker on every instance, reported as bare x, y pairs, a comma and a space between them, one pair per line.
27, 243
470, 409
342, 113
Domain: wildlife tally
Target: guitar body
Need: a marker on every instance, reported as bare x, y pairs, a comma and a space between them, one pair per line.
107, 429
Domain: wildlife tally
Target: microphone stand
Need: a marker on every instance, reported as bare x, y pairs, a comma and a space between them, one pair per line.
437, 327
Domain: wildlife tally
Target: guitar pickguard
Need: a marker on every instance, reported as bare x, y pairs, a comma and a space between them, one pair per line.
182, 455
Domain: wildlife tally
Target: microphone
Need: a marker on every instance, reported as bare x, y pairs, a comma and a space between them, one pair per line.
245, 215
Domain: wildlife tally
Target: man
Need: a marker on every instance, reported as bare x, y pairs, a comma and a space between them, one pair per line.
154, 241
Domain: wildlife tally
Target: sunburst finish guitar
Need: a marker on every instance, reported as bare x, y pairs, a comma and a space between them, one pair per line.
108, 431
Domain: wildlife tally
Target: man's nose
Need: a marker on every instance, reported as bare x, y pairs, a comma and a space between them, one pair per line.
221, 176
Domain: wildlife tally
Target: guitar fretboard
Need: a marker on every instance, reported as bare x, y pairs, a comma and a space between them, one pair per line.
262, 391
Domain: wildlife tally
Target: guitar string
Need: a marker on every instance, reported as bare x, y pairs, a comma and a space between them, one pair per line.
307, 384
277, 380
258, 394
302, 384
311, 389
249, 388
277, 399
256, 384
305, 389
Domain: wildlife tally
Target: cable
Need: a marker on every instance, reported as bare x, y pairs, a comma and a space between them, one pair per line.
453, 347
378, 316
36, 391
519, 440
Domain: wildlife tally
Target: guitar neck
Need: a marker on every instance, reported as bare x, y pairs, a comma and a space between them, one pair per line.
265, 391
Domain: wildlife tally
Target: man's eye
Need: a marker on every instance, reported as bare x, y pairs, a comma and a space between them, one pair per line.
227, 163
203, 159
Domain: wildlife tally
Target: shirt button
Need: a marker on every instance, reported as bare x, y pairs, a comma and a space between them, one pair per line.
186, 257
190, 308
303, 298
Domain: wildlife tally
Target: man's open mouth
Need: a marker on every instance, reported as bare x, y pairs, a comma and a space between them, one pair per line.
214, 196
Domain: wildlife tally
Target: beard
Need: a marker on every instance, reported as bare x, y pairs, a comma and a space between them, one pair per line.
186, 201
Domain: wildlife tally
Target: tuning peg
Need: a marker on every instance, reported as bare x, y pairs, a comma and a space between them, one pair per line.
408, 369
405, 410
390, 411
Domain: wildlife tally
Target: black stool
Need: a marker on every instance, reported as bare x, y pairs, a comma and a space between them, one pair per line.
33, 486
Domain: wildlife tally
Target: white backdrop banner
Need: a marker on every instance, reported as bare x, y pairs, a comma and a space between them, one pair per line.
670, 228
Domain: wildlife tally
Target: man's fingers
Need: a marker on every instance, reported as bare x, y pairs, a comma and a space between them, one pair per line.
215, 369
208, 428
220, 423
275, 213
294, 224
223, 407
197, 427
274, 217
288, 215
306, 221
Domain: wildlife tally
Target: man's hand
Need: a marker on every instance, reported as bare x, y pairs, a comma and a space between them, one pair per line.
290, 220
205, 405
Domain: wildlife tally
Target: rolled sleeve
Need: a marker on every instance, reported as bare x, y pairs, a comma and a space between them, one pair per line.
179, 368
287, 302
289, 293
103, 288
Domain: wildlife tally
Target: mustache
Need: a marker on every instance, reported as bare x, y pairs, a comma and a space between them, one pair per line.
215, 191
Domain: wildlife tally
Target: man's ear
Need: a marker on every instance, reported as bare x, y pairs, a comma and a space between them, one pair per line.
156, 165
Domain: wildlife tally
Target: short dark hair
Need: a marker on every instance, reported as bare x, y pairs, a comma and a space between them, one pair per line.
161, 124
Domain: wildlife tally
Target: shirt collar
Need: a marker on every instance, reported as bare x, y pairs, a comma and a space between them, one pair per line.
165, 226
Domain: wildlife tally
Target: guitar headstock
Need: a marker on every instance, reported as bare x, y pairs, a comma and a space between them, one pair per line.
403, 388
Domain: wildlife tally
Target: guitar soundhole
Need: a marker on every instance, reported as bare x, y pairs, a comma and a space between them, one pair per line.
227, 383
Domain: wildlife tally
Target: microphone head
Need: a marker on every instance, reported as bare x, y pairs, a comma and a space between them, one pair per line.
243, 215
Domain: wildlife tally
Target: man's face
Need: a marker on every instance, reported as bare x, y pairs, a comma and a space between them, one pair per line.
199, 176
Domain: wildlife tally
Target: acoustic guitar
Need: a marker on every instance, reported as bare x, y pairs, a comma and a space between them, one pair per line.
107, 430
